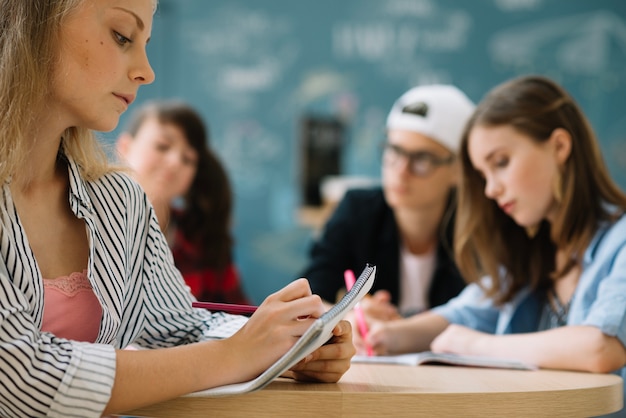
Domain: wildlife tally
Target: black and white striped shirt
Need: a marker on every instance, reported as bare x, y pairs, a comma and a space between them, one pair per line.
143, 297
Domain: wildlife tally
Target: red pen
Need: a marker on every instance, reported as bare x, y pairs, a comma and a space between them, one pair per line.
349, 278
226, 307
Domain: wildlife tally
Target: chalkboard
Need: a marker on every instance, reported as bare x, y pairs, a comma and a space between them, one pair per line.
255, 68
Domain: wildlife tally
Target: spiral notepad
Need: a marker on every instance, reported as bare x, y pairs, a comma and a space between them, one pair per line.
318, 333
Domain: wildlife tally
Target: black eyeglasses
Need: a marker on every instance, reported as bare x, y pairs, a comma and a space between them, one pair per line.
420, 163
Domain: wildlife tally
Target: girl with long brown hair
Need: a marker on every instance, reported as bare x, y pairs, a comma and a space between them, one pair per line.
541, 237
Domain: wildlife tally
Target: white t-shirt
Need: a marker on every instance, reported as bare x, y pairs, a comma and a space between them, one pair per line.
416, 273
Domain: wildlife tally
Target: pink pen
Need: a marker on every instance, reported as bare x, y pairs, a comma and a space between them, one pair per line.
349, 278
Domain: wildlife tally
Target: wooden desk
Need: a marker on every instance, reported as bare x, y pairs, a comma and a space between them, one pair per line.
374, 390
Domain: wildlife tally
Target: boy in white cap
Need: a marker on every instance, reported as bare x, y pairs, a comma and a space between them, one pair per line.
405, 227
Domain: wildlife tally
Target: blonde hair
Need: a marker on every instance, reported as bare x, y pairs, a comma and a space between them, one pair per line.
29, 45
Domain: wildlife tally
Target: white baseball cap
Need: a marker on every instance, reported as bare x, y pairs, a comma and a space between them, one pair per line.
438, 111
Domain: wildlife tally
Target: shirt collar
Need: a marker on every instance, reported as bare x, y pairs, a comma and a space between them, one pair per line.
604, 227
79, 195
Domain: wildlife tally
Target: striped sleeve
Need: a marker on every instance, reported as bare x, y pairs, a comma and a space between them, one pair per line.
41, 375
156, 309
144, 299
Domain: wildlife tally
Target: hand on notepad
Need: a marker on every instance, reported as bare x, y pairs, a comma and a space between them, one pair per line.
328, 363
277, 325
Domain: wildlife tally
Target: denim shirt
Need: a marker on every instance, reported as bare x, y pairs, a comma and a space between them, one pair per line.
599, 299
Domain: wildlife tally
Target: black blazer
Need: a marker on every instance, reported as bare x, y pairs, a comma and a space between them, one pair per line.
363, 230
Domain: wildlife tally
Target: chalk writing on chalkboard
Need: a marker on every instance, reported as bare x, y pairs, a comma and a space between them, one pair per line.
580, 44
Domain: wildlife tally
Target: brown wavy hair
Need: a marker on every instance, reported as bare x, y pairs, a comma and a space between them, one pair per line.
487, 241
207, 205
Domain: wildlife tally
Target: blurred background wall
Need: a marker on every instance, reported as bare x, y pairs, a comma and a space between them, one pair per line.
271, 76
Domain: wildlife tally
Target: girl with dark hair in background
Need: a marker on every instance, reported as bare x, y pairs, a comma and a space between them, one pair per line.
166, 146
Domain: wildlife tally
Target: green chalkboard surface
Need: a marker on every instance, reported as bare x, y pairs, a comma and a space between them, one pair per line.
256, 68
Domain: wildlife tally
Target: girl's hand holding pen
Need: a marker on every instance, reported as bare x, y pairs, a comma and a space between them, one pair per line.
276, 326
375, 308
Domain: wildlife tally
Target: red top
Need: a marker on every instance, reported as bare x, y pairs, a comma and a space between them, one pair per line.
206, 283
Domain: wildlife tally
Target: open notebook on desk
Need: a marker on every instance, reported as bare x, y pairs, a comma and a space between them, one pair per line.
318, 333
428, 357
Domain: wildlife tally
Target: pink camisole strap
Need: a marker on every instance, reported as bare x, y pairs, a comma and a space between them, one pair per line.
71, 309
